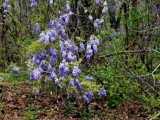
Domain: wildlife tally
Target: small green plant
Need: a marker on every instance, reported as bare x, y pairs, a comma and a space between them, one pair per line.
69, 109
30, 113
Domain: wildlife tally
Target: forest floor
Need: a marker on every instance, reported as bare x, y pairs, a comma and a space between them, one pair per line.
18, 103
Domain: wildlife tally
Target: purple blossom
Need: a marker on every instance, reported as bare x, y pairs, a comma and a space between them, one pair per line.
61, 44
90, 17
71, 83
50, 69
53, 60
47, 39
33, 4
102, 92
89, 52
38, 28
85, 11
51, 2
36, 59
81, 45
97, 2
5, 11
90, 78
41, 37
75, 49
68, 9
64, 53
53, 75
105, 4
70, 57
63, 34
63, 70
95, 48
43, 55
88, 57
53, 35
44, 66
6, 1
88, 96
78, 85
5, 6
35, 74
104, 10
96, 25
76, 71
52, 52
66, 72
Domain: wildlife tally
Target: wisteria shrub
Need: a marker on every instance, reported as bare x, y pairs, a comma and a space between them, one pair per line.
60, 57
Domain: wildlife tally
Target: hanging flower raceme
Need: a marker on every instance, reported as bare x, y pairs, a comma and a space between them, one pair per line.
44, 66
63, 70
36, 74
97, 2
76, 72
81, 45
5, 6
88, 96
34, 3
78, 85
97, 22
68, 9
38, 30
102, 92
52, 56
105, 8
71, 83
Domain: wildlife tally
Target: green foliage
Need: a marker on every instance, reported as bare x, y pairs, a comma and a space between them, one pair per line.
4, 76
69, 109
120, 91
35, 47
30, 114
20, 76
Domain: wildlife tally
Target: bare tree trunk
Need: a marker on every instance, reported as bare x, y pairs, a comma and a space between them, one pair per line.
3, 43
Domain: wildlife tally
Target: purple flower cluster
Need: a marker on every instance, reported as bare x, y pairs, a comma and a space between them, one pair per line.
76, 71
90, 78
88, 96
98, 22
92, 47
34, 3
63, 70
53, 56
57, 68
97, 2
36, 74
105, 8
102, 92
78, 85
5, 6
38, 29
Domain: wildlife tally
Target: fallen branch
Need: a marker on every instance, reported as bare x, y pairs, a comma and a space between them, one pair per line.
125, 52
